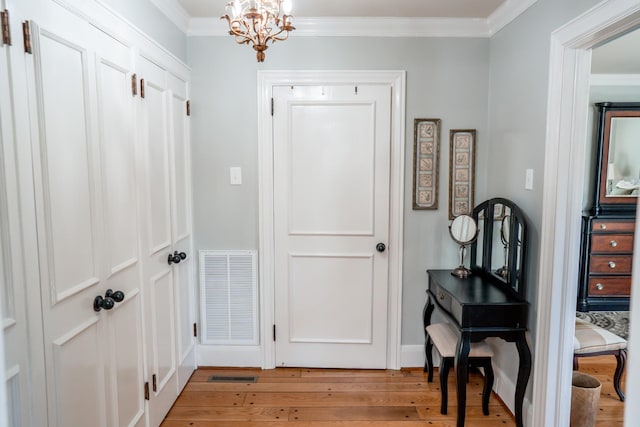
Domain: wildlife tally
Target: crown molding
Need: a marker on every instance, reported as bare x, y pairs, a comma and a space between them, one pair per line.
507, 12
614, 80
174, 12
381, 26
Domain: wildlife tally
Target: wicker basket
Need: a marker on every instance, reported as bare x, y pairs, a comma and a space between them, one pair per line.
585, 394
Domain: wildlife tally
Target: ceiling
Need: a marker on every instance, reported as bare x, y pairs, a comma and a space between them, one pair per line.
364, 8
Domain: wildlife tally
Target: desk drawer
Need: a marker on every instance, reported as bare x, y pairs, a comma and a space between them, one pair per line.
443, 299
612, 243
617, 286
610, 264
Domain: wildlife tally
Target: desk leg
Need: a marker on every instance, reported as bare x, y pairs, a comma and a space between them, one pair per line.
426, 321
462, 368
524, 371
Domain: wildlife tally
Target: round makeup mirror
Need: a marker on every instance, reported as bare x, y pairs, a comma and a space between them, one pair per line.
464, 231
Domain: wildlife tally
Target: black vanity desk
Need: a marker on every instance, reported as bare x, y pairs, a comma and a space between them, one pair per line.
480, 309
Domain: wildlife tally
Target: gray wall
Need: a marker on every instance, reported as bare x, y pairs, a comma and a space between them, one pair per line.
446, 79
146, 16
519, 68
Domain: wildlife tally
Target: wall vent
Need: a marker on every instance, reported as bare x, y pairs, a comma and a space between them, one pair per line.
229, 297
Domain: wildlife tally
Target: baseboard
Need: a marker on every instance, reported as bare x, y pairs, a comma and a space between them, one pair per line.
505, 388
412, 356
242, 356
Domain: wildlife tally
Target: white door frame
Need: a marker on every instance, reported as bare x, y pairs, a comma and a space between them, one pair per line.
566, 145
266, 81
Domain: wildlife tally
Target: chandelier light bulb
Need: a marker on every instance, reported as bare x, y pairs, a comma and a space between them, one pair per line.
287, 5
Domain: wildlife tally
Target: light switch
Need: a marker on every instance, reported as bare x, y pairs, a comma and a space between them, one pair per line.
235, 176
528, 180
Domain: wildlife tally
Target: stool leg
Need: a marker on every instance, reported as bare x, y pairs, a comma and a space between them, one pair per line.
488, 386
445, 365
621, 359
428, 364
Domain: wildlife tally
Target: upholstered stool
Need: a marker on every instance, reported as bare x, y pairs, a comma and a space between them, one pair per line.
592, 340
445, 339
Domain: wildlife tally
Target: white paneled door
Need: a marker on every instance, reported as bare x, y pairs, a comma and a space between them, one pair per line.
85, 195
331, 221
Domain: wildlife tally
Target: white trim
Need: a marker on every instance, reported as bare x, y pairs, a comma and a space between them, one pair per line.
632, 393
566, 145
615, 79
382, 26
244, 356
266, 81
174, 12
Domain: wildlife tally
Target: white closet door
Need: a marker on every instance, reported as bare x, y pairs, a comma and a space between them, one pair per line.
181, 228
124, 331
158, 274
13, 322
69, 218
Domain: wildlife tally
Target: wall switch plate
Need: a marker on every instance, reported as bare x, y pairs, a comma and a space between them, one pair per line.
528, 180
235, 176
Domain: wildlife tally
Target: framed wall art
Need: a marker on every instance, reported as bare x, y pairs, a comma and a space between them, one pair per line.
462, 165
426, 161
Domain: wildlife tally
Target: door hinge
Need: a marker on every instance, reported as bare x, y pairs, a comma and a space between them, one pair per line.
274, 333
188, 108
195, 329
146, 390
134, 84
26, 37
6, 30
154, 383
272, 106
141, 88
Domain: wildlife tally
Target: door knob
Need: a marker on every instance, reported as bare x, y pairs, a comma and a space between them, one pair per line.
182, 255
117, 296
99, 303
380, 247
175, 258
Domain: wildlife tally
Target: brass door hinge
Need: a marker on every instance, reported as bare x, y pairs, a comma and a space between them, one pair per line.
146, 390
154, 383
6, 30
26, 37
195, 330
188, 108
134, 84
141, 88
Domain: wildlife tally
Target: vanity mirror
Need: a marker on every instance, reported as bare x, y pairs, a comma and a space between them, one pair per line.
464, 231
498, 252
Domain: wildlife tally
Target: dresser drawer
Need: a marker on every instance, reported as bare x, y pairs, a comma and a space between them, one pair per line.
609, 226
443, 298
612, 243
600, 286
610, 264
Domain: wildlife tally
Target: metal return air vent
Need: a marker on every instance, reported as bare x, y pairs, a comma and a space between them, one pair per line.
232, 379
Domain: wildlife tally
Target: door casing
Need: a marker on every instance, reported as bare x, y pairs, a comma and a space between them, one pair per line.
266, 80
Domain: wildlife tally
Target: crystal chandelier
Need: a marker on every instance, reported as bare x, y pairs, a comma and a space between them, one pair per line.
259, 22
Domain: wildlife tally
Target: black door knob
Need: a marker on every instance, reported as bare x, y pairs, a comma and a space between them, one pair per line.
182, 255
100, 303
175, 258
380, 247
117, 296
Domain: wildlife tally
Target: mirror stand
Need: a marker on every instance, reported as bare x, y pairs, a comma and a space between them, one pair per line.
462, 271
464, 231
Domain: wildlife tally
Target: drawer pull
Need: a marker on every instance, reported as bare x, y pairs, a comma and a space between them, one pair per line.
599, 286
603, 226
613, 243
440, 296
612, 264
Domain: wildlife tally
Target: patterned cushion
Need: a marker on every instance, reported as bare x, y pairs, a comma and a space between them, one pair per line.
445, 339
590, 338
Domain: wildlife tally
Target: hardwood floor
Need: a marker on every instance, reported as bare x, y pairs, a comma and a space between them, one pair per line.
351, 398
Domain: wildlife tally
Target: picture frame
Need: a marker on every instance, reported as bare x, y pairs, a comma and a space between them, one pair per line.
462, 165
426, 163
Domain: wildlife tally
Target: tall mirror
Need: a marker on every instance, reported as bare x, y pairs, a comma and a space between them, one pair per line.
499, 250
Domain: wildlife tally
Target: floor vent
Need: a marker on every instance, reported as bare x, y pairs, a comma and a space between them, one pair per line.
229, 297
232, 379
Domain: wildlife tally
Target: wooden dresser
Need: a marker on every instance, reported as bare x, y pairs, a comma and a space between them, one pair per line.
608, 226
607, 254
